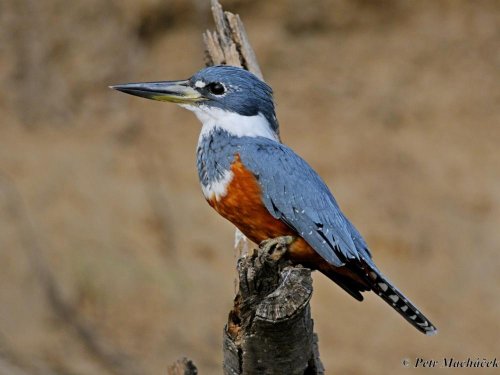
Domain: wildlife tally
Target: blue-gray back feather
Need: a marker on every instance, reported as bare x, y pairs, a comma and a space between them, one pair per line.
291, 191
294, 193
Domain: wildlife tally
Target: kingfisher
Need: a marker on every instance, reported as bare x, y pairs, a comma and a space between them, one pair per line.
264, 188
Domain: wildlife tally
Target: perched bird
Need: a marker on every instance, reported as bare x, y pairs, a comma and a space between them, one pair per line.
264, 188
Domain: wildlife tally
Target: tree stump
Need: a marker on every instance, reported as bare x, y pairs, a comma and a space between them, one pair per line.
270, 330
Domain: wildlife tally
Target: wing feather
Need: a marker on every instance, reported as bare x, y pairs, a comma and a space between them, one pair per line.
294, 193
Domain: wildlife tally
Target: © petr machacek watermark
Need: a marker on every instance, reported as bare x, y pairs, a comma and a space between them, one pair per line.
450, 362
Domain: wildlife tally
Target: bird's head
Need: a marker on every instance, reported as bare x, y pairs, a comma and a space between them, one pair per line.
221, 96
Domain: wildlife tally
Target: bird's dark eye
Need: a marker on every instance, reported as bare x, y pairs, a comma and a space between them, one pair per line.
216, 88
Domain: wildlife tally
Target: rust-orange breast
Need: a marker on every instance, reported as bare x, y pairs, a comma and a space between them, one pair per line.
242, 205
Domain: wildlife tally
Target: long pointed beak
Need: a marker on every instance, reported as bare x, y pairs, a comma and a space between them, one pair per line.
167, 91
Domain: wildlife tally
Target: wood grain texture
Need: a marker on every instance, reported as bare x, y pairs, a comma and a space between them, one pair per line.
229, 44
270, 330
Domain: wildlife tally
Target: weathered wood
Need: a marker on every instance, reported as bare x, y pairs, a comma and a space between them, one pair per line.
229, 44
315, 365
269, 330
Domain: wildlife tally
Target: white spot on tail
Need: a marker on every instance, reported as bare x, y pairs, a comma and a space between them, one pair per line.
383, 286
218, 189
394, 297
404, 308
431, 332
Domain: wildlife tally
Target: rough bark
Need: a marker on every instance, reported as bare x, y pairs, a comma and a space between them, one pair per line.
270, 330
229, 44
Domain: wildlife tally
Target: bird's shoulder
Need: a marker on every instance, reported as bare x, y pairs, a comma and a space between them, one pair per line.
269, 159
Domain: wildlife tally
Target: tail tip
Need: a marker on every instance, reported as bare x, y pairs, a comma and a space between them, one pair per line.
431, 332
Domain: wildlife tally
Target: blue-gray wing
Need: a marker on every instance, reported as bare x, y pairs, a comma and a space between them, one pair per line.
294, 193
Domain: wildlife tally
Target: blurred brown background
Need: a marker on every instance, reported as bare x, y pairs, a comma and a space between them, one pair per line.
110, 259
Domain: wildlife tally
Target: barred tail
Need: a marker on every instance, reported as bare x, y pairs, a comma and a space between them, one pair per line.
390, 294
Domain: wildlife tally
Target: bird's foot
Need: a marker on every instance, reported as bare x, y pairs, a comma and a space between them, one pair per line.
276, 248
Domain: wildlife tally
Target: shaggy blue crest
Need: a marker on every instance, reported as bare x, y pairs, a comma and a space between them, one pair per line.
244, 93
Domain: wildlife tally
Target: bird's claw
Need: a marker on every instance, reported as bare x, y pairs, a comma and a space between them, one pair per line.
275, 248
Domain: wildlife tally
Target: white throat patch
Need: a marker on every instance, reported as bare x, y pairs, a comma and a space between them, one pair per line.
233, 123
